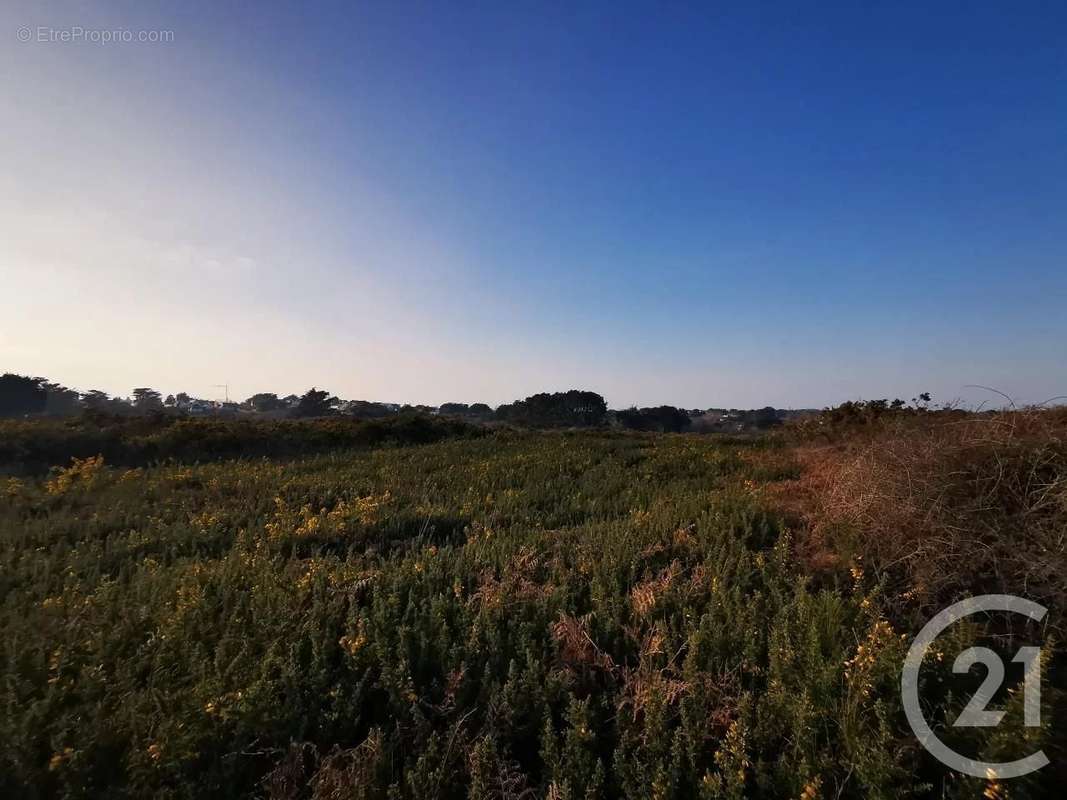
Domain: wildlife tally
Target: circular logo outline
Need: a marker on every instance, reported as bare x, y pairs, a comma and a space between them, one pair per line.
909, 687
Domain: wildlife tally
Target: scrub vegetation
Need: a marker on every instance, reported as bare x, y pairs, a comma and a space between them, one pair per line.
514, 614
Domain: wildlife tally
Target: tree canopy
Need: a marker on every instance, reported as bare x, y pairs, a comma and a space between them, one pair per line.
265, 401
475, 410
21, 395
574, 408
316, 403
146, 399
661, 418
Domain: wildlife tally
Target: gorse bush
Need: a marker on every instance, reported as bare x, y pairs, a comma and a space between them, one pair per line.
518, 615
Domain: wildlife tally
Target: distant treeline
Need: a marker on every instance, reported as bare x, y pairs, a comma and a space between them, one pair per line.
24, 397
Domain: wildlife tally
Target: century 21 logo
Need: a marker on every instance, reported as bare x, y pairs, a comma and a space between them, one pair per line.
976, 714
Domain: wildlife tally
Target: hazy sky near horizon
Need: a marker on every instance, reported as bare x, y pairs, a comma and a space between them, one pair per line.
703, 205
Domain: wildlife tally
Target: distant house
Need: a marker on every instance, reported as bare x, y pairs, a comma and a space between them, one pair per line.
200, 408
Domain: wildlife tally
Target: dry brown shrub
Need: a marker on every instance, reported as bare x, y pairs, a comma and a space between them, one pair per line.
349, 773
343, 773
577, 650
646, 686
289, 778
514, 587
943, 510
657, 674
500, 778
644, 596
640, 686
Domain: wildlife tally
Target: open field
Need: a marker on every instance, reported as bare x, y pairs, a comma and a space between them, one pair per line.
533, 401
563, 615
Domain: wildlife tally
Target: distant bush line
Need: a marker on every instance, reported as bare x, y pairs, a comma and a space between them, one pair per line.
33, 446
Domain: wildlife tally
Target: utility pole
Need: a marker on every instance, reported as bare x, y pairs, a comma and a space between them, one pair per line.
225, 387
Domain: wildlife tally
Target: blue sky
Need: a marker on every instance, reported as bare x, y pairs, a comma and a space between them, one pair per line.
696, 204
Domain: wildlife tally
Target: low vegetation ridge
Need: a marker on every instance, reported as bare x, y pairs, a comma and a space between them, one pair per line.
33, 446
